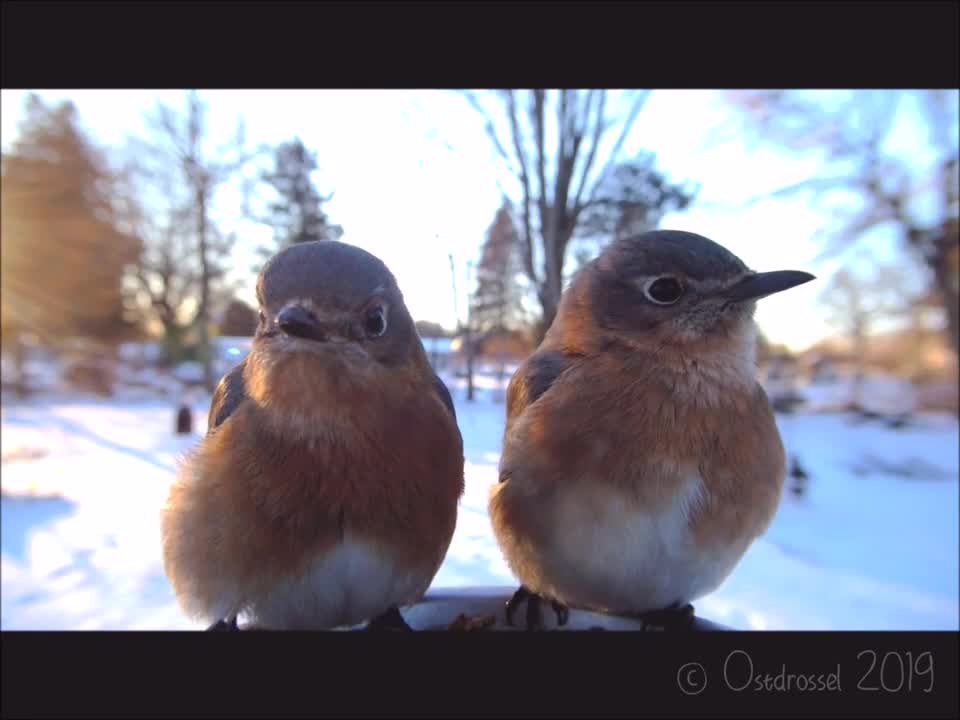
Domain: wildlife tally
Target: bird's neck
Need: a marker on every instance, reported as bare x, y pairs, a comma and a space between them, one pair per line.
704, 371
304, 400
731, 359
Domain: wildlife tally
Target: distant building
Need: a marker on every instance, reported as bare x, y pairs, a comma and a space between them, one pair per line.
836, 382
442, 353
189, 373
229, 351
780, 376
510, 346
140, 355
823, 367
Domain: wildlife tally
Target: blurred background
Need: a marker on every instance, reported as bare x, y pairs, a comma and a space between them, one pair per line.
134, 222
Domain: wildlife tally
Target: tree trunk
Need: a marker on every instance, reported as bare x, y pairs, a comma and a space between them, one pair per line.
19, 353
552, 288
468, 338
469, 344
204, 310
948, 294
172, 343
859, 337
549, 306
555, 234
553, 285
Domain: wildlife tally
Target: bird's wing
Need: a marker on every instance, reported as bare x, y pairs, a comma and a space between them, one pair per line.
533, 379
228, 396
444, 394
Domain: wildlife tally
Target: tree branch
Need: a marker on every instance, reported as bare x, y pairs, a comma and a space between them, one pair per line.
817, 185
525, 181
568, 146
615, 152
598, 128
538, 120
490, 129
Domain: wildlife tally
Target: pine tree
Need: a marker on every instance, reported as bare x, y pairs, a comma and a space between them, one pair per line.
64, 258
496, 299
297, 214
188, 253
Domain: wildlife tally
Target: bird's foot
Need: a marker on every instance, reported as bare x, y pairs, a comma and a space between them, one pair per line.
673, 617
224, 626
390, 620
534, 610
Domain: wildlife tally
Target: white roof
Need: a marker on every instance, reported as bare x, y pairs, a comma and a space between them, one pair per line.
188, 371
438, 345
234, 340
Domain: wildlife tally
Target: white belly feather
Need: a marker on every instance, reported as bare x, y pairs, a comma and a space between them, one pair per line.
605, 553
349, 584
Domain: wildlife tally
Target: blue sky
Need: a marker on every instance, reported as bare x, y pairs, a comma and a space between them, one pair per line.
414, 180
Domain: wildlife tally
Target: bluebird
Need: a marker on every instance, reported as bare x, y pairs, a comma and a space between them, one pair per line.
325, 491
640, 455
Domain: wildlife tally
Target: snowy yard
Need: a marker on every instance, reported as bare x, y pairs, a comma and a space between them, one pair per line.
872, 545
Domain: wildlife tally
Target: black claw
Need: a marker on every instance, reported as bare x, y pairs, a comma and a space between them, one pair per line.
390, 620
534, 613
672, 617
518, 597
535, 609
224, 625
562, 613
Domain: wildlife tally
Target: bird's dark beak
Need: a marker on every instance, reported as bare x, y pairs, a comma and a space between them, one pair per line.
760, 285
297, 321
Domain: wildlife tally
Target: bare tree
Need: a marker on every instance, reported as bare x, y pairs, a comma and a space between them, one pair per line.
857, 303
915, 195
166, 276
558, 147
843, 298
179, 144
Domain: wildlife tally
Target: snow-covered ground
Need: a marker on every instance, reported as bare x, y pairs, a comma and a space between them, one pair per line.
872, 545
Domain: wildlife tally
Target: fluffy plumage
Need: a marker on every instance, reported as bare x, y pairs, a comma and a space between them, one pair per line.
325, 492
640, 456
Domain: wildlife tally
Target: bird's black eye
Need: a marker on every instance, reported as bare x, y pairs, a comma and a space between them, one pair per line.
375, 321
664, 290
262, 317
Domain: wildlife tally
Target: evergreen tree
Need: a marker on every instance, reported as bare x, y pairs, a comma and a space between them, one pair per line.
297, 213
496, 299
64, 257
